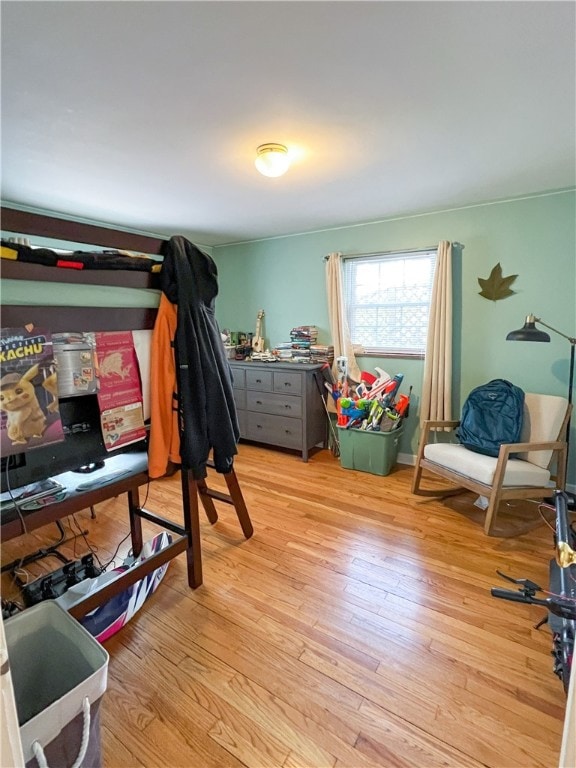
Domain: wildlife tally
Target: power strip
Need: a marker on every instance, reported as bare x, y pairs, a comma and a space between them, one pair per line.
58, 582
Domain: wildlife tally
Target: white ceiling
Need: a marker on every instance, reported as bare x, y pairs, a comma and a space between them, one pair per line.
147, 115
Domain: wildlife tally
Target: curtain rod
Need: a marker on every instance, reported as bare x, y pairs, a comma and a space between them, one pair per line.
388, 253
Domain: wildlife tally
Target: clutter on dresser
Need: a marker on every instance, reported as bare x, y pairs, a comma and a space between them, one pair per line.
258, 342
322, 353
283, 350
263, 357
303, 347
238, 344
302, 337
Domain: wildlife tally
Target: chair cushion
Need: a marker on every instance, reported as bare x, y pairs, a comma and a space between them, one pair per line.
481, 468
543, 417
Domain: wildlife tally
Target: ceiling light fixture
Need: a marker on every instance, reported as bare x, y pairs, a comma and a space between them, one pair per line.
272, 159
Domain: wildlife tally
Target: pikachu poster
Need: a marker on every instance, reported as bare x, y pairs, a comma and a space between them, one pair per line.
29, 415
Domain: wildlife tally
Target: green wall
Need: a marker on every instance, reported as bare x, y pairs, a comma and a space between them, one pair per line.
532, 237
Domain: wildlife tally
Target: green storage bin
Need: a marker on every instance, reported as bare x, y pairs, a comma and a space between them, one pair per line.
368, 451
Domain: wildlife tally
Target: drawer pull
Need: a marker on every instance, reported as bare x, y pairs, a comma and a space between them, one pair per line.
288, 432
258, 402
289, 407
287, 384
258, 381
259, 426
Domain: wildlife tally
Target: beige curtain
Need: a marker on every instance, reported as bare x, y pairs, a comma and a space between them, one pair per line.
437, 386
337, 316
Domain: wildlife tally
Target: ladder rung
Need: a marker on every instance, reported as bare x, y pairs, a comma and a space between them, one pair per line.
217, 495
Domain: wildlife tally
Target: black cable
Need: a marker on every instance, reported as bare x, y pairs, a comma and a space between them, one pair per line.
130, 552
82, 533
147, 492
105, 567
14, 500
16, 565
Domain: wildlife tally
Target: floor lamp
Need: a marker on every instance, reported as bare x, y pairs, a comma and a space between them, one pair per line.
529, 332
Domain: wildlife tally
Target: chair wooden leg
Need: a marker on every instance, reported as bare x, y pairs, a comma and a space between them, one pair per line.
492, 512
192, 524
234, 497
494, 500
239, 504
561, 468
207, 503
416, 477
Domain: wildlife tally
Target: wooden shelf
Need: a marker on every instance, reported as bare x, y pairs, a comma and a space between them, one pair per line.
79, 318
126, 278
26, 224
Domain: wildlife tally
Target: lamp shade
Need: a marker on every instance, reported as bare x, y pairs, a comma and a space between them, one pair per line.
272, 159
528, 332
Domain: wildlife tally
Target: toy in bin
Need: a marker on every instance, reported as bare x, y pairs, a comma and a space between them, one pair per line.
375, 405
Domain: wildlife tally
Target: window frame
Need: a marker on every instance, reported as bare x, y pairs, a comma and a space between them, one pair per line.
389, 352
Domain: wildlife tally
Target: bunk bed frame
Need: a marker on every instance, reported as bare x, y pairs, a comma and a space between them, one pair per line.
61, 319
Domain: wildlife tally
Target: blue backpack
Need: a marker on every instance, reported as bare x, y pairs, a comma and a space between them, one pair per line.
491, 415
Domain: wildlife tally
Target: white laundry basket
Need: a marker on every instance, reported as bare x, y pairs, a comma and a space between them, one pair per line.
59, 672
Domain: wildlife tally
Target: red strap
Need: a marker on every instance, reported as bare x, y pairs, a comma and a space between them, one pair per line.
69, 264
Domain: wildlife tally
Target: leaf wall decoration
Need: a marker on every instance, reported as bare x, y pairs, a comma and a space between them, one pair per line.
497, 286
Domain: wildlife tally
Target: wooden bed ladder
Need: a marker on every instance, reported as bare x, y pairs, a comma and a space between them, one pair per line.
192, 489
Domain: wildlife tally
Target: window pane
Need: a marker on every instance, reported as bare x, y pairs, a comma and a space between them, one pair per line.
388, 299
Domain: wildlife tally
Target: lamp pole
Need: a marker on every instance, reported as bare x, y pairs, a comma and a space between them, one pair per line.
572, 341
529, 332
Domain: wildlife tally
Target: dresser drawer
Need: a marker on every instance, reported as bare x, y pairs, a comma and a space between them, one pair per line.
280, 405
290, 383
277, 430
239, 397
238, 377
260, 380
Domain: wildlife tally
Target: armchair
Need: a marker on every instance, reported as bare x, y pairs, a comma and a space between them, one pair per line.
521, 470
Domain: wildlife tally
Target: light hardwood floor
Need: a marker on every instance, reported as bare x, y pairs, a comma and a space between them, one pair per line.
356, 628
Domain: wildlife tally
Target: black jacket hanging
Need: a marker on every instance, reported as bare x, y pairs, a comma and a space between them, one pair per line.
207, 413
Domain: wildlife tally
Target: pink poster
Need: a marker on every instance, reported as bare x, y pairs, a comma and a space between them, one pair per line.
120, 394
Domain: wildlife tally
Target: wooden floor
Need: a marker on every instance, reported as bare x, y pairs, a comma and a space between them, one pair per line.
356, 628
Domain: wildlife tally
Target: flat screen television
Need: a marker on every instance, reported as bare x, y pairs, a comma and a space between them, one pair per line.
81, 450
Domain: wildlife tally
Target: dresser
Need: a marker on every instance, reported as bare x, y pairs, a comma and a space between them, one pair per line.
280, 404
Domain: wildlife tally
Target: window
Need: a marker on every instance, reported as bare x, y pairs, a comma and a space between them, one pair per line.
387, 301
